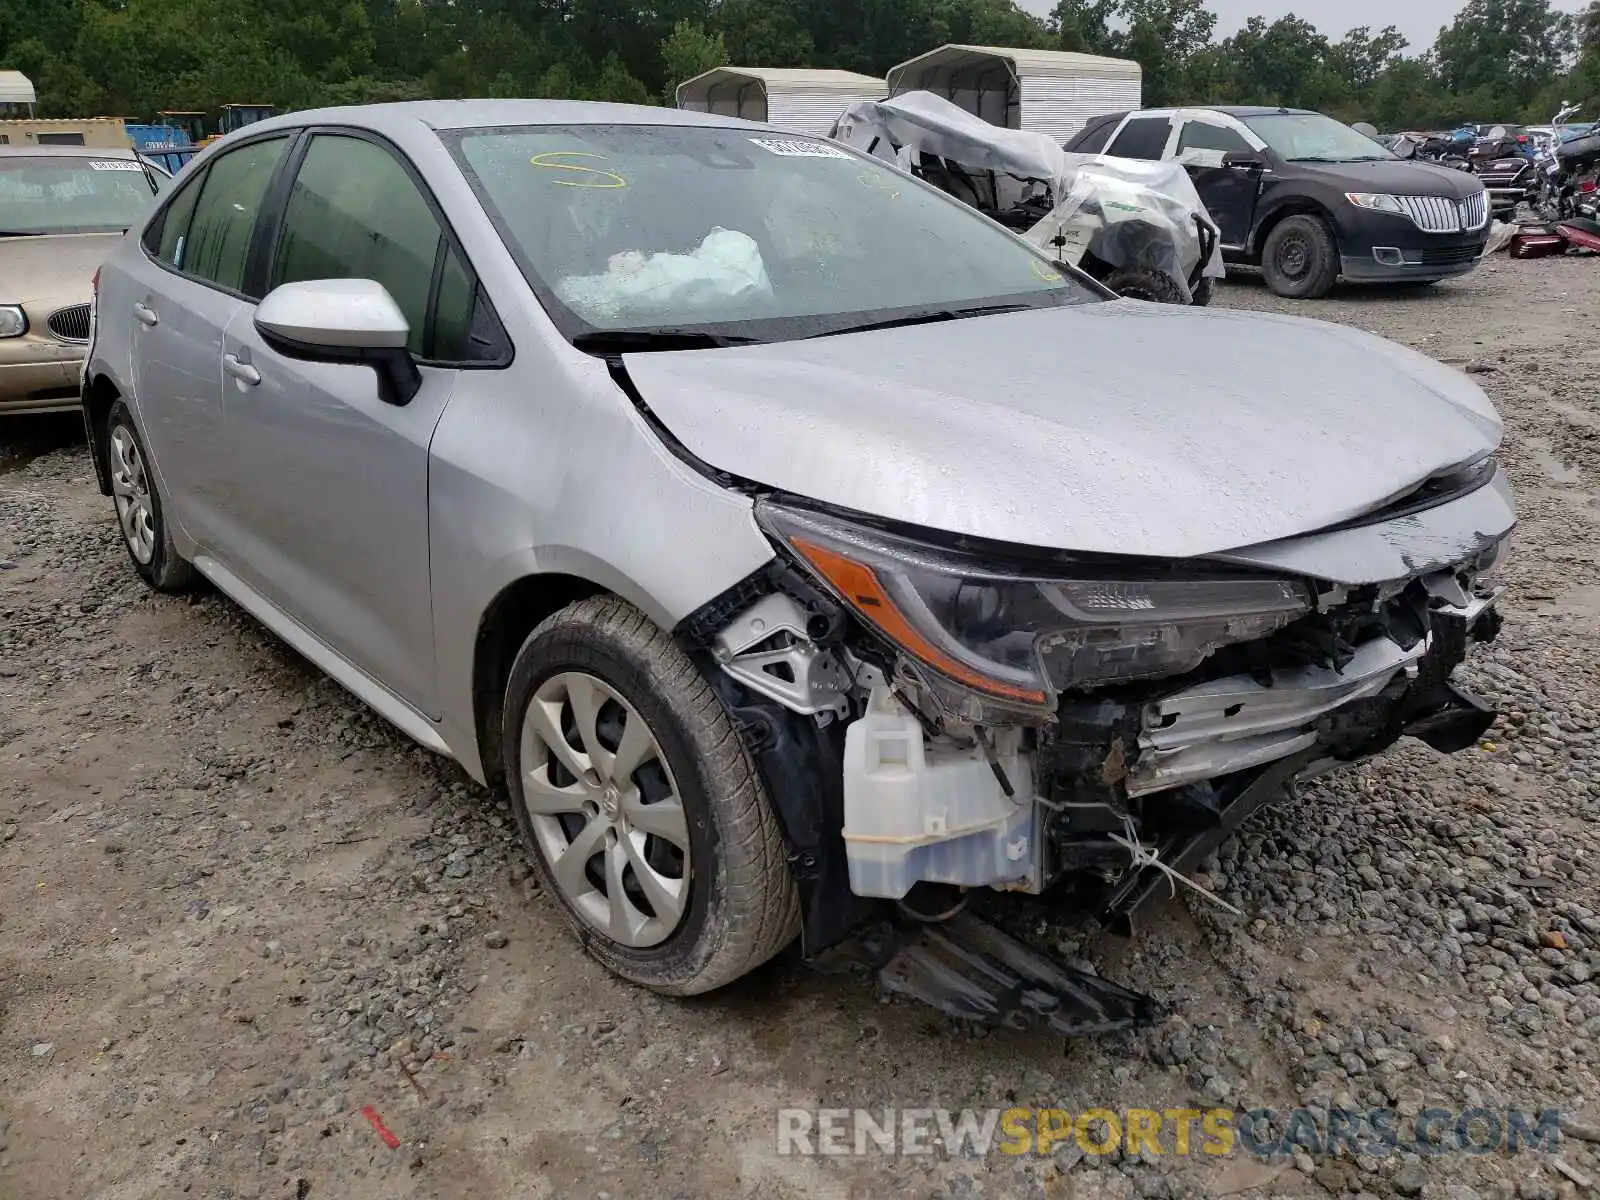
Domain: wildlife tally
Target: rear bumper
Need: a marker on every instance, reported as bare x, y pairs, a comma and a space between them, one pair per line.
42, 384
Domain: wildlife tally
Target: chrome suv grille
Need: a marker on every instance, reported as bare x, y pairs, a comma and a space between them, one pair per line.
70, 324
1441, 214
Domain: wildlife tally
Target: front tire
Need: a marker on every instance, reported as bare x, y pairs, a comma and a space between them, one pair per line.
641, 809
1300, 259
1150, 286
145, 534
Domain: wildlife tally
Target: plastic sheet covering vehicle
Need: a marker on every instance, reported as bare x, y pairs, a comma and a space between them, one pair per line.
1111, 217
1107, 192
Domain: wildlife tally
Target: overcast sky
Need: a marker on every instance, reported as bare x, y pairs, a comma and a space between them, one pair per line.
1419, 20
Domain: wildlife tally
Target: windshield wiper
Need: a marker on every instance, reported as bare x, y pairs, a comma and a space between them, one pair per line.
639, 341
930, 318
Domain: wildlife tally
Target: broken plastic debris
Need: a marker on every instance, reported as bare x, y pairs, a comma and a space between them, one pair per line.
382, 1130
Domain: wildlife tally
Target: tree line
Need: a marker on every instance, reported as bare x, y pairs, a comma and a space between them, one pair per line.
1498, 60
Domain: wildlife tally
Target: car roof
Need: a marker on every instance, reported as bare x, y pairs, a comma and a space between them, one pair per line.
65, 152
476, 114
1255, 110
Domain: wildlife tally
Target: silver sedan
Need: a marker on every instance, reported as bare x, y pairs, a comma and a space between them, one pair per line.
788, 538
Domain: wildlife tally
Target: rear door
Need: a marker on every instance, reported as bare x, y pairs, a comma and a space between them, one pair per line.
183, 297
330, 482
1229, 193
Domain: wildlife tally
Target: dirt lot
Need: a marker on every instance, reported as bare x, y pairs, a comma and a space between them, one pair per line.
236, 910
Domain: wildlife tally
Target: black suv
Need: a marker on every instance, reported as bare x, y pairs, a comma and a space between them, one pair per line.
1306, 198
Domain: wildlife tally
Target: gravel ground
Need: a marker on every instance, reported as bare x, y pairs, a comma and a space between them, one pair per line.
236, 910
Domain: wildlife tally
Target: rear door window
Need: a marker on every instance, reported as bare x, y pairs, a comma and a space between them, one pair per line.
1142, 137
1198, 135
218, 242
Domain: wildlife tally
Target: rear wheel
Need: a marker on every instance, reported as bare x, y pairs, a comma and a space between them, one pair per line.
1300, 259
642, 811
139, 513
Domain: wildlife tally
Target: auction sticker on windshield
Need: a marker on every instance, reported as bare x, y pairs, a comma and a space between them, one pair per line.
115, 164
798, 149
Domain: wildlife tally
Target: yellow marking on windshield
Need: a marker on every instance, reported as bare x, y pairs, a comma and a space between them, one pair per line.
602, 179
1044, 272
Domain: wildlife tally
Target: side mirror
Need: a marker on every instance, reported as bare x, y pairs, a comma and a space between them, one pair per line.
352, 321
1244, 160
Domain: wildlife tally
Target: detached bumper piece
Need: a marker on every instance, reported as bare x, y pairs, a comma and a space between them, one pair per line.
970, 970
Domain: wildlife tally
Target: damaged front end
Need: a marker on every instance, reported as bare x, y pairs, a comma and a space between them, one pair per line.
932, 718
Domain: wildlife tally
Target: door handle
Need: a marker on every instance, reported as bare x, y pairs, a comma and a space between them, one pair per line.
241, 370
146, 316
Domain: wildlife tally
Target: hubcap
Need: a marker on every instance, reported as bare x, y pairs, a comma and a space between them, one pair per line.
605, 810
1294, 258
130, 488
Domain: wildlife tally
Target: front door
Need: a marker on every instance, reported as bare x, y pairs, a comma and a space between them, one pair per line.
330, 482
1228, 192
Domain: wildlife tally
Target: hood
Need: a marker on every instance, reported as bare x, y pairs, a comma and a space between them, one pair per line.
1115, 427
51, 270
1396, 177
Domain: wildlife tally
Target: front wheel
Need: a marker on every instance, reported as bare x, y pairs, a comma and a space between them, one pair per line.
145, 534
1300, 259
1152, 286
639, 804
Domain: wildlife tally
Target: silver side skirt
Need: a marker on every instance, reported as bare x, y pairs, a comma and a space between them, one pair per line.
357, 682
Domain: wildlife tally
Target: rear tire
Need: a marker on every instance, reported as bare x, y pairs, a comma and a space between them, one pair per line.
1300, 259
643, 814
140, 516
1150, 286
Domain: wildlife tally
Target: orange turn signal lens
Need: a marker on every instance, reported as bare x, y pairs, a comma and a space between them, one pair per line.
859, 586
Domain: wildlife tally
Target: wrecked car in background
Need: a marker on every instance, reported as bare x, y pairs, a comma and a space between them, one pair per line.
838, 567
1138, 228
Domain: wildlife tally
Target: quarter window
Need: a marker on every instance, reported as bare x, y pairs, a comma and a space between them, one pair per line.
1095, 142
168, 236
1142, 137
218, 240
354, 213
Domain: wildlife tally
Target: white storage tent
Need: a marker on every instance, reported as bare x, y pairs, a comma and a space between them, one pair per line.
16, 89
795, 100
1048, 91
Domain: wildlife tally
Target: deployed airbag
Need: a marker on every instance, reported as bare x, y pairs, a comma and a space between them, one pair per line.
719, 276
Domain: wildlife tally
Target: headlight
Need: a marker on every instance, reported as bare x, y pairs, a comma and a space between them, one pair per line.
13, 321
1377, 202
1020, 638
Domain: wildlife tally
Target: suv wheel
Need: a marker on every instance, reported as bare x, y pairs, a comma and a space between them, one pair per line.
1300, 259
642, 811
138, 501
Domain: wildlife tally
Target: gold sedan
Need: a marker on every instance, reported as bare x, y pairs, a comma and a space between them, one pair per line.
62, 210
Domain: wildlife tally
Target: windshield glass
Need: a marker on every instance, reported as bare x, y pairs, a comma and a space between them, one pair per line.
1312, 137
733, 231
72, 195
